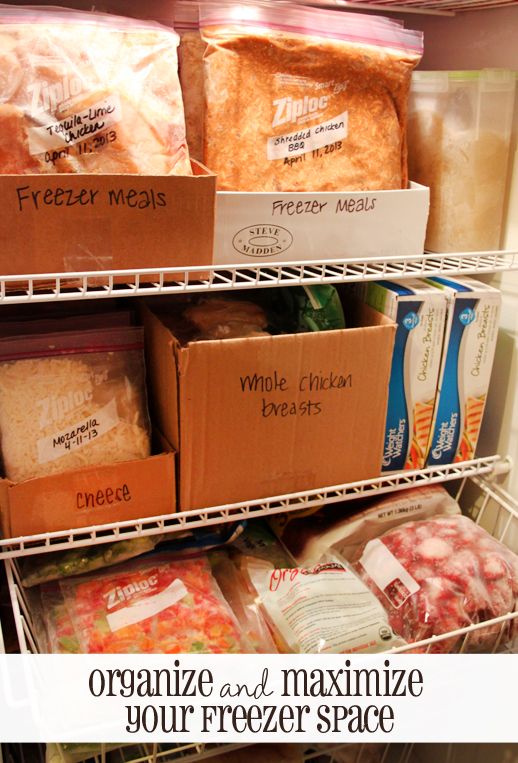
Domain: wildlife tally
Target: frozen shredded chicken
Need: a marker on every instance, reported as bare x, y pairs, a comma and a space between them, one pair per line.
68, 411
89, 93
294, 106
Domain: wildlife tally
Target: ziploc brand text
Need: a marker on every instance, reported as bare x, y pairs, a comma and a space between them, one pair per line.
470, 343
420, 313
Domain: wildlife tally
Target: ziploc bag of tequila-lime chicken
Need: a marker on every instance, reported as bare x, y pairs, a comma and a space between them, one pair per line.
89, 92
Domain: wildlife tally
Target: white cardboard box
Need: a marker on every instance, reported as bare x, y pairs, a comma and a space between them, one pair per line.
290, 227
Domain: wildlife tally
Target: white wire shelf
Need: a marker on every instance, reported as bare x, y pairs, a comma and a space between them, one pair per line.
81, 285
490, 507
187, 520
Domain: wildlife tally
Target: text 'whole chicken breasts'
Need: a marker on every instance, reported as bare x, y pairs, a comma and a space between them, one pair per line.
89, 93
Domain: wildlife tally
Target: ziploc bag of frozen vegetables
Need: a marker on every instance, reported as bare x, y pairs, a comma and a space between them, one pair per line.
77, 561
71, 399
159, 604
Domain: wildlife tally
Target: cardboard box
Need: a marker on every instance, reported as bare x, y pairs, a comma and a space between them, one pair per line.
469, 349
265, 416
94, 495
419, 310
68, 223
287, 227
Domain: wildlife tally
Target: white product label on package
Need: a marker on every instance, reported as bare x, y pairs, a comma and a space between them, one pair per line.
142, 609
78, 435
325, 609
306, 139
388, 573
78, 127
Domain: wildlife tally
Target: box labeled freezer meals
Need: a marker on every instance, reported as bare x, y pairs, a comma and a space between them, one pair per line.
76, 223
419, 310
469, 348
284, 227
269, 415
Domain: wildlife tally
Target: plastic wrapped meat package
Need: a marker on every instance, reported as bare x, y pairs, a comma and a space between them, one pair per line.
309, 535
153, 605
439, 575
86, 92
303, 99
71, 400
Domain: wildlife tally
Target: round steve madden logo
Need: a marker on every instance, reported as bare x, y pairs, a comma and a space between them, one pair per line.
262, 240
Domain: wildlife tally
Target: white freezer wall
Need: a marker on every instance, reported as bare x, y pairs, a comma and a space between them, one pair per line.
475, 40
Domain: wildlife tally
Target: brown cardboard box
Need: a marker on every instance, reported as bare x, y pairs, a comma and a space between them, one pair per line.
265, 416
94, 495
70, 223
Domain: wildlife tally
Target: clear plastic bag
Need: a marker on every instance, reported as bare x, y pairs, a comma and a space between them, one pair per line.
71, 400
89, 92
190, 60
325, 102
77, 561
157, 605
441, 574
341, 529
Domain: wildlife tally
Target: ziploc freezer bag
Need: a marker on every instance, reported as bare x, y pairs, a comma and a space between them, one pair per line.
303, 99
325, 608
469, 349
89, 92
72, 399
157, 605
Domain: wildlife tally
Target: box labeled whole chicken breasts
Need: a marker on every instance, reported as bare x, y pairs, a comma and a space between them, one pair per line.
469, 349
268, 415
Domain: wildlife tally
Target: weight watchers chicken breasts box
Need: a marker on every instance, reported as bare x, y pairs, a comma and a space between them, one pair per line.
419, 310
470, 343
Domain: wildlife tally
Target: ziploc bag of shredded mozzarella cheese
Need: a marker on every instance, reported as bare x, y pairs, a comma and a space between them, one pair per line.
304, 99
325, 608
439, 575
155, 605
89, 92
72, 399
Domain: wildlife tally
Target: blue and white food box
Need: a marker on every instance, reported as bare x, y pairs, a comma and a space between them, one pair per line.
469, 350
419, 310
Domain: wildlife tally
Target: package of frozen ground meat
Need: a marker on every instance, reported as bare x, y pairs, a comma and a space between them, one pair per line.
439, 575
72, 399
89, 92
304, 99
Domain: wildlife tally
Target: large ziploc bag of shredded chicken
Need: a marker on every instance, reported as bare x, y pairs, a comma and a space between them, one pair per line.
302, 99
71, 400
89, 92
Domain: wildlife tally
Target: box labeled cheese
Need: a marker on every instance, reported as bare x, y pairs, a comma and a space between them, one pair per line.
419, 311
469, 349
